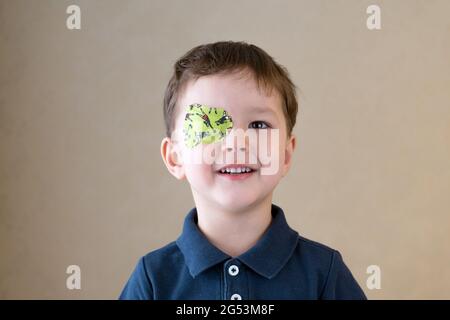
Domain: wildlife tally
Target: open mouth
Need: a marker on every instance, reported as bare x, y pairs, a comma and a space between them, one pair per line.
237, 170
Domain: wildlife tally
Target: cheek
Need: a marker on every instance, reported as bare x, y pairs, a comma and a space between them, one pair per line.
282, 152
199, 174
271, 152
203, 154
198, 164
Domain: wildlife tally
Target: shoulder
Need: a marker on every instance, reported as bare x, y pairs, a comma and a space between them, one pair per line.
167, 255
316, 252
320, 254
169, 251
140, 285
317, 258
328, 264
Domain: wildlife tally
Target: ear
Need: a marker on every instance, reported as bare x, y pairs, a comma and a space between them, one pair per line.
288, 154
172, 158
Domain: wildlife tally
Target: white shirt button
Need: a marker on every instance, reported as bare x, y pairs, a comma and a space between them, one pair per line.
236, 297
233, 270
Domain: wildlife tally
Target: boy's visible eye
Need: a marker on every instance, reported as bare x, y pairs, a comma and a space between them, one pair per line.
259, 125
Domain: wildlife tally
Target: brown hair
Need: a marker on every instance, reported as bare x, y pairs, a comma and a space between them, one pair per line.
228, 56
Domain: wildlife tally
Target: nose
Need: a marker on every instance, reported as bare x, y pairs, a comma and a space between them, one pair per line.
231, 148
235, 140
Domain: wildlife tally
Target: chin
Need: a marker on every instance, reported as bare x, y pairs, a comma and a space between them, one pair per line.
237, 202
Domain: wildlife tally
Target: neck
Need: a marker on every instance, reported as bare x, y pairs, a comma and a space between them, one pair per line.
234, 232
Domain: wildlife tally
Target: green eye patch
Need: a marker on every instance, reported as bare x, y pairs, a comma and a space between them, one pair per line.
204, 124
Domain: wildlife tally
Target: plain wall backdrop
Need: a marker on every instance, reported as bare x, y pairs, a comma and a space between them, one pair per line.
81, 177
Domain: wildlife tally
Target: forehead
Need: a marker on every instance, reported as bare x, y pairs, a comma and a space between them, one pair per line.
236, 92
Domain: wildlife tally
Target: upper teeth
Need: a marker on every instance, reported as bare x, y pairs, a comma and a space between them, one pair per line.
235, 170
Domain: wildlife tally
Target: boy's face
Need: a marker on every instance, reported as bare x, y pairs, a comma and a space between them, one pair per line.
253, 114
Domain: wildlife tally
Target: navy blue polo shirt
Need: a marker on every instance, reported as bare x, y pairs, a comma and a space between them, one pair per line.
281, 265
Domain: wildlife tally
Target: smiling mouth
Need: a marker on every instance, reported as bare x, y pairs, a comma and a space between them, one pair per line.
236, 170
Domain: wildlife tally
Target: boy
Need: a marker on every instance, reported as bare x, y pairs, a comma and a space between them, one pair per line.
235, 243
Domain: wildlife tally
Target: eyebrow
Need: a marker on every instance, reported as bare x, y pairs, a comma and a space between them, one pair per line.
262, 109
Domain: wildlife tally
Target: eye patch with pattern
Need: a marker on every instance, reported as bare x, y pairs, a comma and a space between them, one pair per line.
204, 124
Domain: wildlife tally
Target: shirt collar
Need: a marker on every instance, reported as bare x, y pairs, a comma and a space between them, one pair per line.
267, 257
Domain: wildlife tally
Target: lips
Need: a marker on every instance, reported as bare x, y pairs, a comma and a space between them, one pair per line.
236, 169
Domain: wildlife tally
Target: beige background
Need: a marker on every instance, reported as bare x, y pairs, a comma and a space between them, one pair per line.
82, 182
